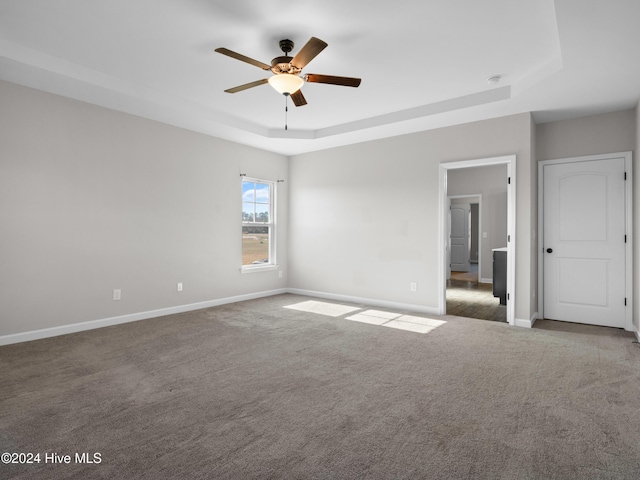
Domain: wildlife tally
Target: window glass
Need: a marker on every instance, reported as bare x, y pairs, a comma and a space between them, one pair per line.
255, 245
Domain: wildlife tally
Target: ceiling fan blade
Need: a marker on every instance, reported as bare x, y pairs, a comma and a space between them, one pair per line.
298, 98
312, 48
333, 80
243, 58
239, 88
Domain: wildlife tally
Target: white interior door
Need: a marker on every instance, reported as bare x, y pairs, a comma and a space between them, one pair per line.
460, 237
584, 242
448, 248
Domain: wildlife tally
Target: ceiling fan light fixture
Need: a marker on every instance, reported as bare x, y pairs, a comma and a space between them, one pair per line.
285, 83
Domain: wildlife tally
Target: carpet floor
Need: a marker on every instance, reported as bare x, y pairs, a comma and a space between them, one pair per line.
255, 390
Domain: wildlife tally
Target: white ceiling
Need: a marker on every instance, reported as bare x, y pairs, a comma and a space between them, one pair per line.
423, 63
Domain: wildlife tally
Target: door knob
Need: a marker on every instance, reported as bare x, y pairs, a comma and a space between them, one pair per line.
549, 250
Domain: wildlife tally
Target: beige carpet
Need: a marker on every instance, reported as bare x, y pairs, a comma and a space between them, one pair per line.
255, 391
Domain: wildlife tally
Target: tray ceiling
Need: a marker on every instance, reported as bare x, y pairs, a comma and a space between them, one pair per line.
424, 65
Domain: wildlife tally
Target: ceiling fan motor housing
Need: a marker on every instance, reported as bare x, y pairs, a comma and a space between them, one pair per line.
283, 65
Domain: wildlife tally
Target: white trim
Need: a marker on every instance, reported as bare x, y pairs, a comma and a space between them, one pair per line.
510, 161
485, 280
265, 267
133, 317
628, 164
521, 322
367, 301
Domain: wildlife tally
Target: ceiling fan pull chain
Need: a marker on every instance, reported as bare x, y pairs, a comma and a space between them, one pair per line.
286, 111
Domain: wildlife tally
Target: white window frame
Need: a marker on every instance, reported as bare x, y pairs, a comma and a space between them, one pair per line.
271, 224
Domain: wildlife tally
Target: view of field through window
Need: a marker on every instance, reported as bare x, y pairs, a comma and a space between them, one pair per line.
255, 246
256, 222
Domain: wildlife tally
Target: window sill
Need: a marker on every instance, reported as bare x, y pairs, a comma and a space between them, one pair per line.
258, 268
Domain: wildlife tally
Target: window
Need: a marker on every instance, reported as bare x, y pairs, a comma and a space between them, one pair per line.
258, 224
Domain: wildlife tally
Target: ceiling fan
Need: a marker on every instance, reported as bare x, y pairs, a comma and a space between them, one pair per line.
287, 79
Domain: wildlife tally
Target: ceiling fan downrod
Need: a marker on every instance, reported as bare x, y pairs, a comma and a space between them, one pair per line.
286, 46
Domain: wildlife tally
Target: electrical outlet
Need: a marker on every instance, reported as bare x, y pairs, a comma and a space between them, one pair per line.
117, 294
279, 273
413, 286
179, 286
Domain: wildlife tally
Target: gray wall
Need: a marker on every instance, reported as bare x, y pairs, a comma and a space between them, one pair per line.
491, 183
636, 224
92, 199
364, 219
593, 135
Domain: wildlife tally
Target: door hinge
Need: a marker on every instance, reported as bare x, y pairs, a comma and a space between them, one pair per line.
509, 180
508, 296
625, 239
625, 301
625, 175
508, 238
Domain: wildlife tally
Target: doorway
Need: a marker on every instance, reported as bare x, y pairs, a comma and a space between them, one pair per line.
468, 294
480, 285
585, 259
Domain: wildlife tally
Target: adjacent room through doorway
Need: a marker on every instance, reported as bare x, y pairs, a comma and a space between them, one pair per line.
477, 198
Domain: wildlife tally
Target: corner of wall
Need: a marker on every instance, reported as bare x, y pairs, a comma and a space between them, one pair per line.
636, 228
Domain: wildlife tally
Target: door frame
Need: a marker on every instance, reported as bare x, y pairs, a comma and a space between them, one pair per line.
510, 161
477, 196
628, 164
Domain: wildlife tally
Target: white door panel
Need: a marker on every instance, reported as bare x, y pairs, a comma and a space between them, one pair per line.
584, 228
573, 289
583, 205
460, 237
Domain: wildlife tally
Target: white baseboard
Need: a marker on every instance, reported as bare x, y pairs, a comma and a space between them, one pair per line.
133, 317
485, 280
107, 322
367, 301
637, 332
521, 322
534, 317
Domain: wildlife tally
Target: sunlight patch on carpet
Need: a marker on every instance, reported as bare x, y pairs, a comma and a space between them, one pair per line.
323, 308
399, 321
374, 317
414, 324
